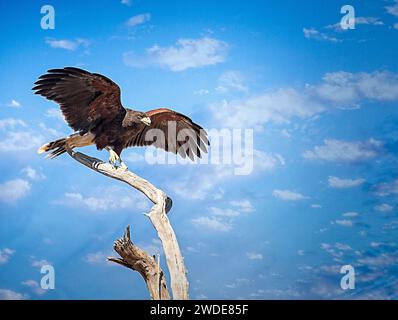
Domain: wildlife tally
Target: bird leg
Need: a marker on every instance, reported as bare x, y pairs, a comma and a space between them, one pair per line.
113, 157
115, 160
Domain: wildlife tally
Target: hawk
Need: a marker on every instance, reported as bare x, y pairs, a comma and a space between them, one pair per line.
91, 105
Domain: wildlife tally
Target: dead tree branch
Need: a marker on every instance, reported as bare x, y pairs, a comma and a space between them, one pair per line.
137, 259
133, 257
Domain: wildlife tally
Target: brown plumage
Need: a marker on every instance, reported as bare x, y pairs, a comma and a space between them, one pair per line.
91, 105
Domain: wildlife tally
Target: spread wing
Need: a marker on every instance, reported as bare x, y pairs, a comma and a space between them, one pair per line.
181, 134
86, 99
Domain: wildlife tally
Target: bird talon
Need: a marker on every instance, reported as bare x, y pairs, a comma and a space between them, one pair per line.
114, 159
123, 166
114, 165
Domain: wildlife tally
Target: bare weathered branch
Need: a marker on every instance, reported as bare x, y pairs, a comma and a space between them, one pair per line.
137, 259
158, 217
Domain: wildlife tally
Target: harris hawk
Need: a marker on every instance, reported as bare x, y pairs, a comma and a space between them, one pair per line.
91, 105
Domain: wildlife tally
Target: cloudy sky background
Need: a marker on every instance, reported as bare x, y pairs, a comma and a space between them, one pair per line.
323, 106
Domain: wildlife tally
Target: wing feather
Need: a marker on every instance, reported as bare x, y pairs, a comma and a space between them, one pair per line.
85, 98
195, 143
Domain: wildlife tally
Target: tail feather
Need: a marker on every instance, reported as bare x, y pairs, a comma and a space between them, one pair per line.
60, 146
56, 147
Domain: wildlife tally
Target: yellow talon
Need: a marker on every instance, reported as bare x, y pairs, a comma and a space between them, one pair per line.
113, 157
123, 166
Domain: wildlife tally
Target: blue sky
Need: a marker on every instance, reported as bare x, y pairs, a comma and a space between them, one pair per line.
322, 103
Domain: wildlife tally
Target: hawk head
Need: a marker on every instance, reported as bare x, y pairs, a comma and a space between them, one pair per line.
133, 117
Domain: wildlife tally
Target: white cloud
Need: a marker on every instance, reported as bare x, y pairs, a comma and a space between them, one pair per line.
192, 249
199, 186
238, 282
133, 157
278, 106
393, 8
11, 123
216, 220
344, 223
350, 214
110, 199
243, 205
288, 195
5, 255
218, 194
17, 140
187, 53
54, 113
138, 19
316, 206
231, 81
254, 256
13, 190
383, 244
387, 188
371, 21
314, 34
64, 44
382, 260
384, 207
395, 26
33, 174
6, 294
14, 104
96, 257
93, 203
34, 286
326, 246
266, 161
340, 89
223, 212
20, 141
346, 89
339, 183
212, 223
330, 269
201, 92
126, 2
38, 263
301, 252
348, 151
67, 44
342, 246
337, 250
49, 131
374, 21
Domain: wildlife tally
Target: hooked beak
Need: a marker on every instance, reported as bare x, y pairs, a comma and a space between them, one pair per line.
146, 121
